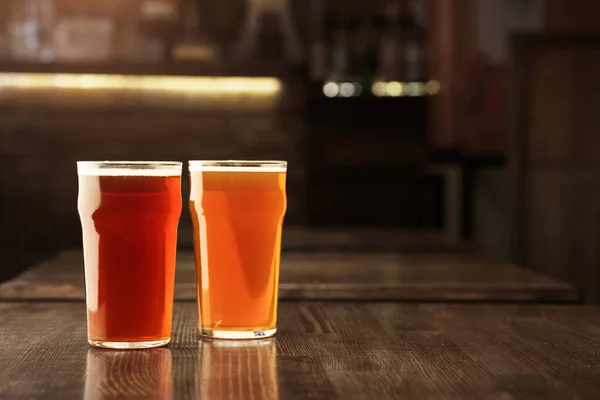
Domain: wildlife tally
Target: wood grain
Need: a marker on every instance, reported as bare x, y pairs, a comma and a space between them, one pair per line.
334, 276
322, 351
452, 48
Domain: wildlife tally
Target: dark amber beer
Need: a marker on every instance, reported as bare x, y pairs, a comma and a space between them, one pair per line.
237, 210
129, 216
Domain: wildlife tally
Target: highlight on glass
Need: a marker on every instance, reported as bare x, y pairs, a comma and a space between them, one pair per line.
129, 216
237, 210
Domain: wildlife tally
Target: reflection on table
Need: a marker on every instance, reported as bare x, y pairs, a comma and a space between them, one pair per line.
237, 370
144, 374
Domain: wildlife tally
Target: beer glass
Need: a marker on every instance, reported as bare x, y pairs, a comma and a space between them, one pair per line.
237, 210
129, 215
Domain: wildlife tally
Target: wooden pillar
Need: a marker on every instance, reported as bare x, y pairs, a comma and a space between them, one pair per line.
452, 53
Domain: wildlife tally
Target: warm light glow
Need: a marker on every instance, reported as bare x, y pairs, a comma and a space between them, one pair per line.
396, 89
432, 87
414, 89
331, 89
188, 84
357, 89
347, 89
342, 89
379, 89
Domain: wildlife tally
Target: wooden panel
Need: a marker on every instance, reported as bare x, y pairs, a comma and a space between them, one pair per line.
552, 96
564, 95
337, 276
441, 48
586, 122
572, 16
483, 133
557, 157
452, 46
323, 351
548, 207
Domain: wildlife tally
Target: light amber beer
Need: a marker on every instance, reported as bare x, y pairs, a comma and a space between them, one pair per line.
129, 216
237, 210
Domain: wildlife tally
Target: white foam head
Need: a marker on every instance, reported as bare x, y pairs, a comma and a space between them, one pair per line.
238, 166
129, 168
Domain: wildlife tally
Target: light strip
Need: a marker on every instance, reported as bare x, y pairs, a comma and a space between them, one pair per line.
188, 84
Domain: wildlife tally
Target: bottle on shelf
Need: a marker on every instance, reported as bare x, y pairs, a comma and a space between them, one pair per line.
338, 70
352, 25
195, 44
319, 48
30, 28
365, 52
391, 47
414, 45
259, 11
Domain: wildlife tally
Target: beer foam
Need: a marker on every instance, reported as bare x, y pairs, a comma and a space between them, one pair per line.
120, 169
266, 166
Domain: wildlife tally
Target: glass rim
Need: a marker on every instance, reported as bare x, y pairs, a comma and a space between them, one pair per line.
238, 165
130, 168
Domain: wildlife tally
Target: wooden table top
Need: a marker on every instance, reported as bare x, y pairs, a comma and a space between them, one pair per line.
322, 351
334, 276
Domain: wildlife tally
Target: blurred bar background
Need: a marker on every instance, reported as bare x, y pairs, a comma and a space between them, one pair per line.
410, 115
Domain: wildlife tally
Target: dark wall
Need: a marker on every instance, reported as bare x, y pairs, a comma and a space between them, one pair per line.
39, 147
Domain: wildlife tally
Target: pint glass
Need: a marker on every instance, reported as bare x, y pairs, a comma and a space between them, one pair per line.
237, 210
129, 215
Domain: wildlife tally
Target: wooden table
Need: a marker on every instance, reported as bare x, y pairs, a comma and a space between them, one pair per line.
335, 276
322, 351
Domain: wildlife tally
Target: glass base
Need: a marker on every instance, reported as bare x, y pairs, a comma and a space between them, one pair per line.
129, 345
220, 334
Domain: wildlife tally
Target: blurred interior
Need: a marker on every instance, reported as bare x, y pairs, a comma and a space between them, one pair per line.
472, 119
